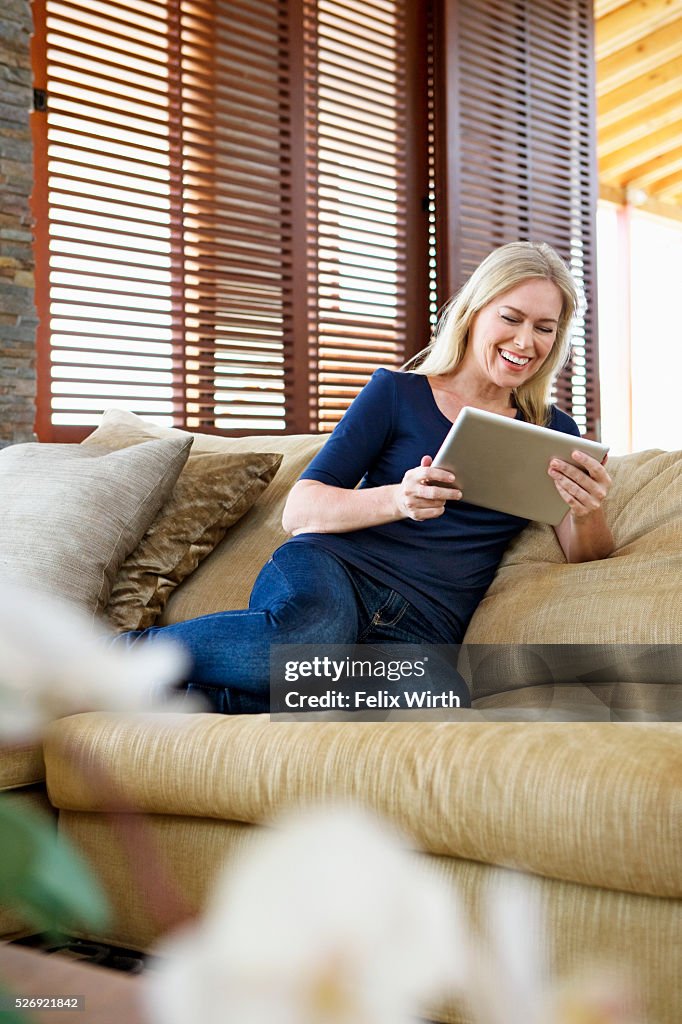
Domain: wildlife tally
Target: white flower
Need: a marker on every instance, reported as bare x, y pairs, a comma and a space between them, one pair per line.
55, 661
326, 919
507, 965
509, 973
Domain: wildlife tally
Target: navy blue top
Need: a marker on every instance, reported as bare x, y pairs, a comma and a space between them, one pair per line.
442, 566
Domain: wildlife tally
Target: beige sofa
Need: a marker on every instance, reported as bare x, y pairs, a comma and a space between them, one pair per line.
586, 802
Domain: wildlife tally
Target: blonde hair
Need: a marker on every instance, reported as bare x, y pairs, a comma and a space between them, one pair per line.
501, 270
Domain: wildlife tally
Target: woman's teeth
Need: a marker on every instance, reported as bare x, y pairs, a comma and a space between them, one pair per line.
516, 360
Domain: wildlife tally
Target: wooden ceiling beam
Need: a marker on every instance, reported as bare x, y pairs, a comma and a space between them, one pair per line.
662, 208
611, 194
604, 7
626, 100
648, 147
668, 189
632, 21
667, 208
671, 198
648, 118
638, 46
661, 173
640, 58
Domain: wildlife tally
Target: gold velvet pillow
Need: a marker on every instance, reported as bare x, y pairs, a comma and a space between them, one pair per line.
213, 491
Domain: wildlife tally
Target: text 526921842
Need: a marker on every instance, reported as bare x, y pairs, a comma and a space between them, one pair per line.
44, 1002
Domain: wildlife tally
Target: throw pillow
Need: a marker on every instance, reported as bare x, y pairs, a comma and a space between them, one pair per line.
70, 516
225, 578
213, 491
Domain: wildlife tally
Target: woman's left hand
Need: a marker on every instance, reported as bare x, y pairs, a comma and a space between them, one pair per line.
584, 486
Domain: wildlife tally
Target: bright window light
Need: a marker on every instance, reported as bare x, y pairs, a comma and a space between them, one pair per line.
656, 253
640, 331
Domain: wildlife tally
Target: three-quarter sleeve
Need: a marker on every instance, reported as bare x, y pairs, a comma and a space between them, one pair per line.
360, 437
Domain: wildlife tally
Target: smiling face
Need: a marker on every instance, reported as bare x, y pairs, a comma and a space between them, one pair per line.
510, 338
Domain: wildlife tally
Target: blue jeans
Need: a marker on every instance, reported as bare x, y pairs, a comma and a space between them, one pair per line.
303, 595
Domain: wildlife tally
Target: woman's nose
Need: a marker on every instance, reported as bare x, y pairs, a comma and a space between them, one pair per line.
524, 335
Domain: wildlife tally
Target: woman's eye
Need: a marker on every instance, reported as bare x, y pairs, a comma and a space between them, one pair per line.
509, 319
545, 330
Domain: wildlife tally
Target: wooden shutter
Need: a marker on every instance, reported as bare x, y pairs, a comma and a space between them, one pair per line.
106, 310
166, 141
230, 208
366, 151
517, 81
235, 153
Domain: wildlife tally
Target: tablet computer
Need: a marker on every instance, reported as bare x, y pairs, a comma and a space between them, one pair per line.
501, 463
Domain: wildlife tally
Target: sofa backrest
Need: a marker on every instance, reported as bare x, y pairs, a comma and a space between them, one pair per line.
633, 597
614, 626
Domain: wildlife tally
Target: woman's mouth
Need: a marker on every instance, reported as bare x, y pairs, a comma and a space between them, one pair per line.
512, 360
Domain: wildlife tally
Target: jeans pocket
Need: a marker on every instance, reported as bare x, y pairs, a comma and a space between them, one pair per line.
386, 618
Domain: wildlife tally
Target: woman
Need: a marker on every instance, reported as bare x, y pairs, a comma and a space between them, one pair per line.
402, 558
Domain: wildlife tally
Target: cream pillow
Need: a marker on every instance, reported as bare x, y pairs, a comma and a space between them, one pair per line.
70, 516
214, 491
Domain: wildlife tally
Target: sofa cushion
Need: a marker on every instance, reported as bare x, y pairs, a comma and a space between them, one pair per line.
633, 597
70, 516
592, 803
582, 702
21, 765
213, 491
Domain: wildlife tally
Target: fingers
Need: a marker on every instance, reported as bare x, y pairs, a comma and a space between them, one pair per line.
422, 494
591, 466
427, 491
583, 487
424, 497
419, 514
434, 476
586, 473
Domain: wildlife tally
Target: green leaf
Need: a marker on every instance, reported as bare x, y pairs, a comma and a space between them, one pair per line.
10, 1015
43, 876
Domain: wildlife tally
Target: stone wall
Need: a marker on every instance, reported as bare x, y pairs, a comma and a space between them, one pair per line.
17, 312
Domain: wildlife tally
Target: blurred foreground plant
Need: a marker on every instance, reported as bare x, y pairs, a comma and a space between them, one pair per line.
508, 968
55, 661
329, 919
43, 877
326, 919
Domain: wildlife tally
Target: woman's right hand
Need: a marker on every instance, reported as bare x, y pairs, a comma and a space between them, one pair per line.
422, 496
